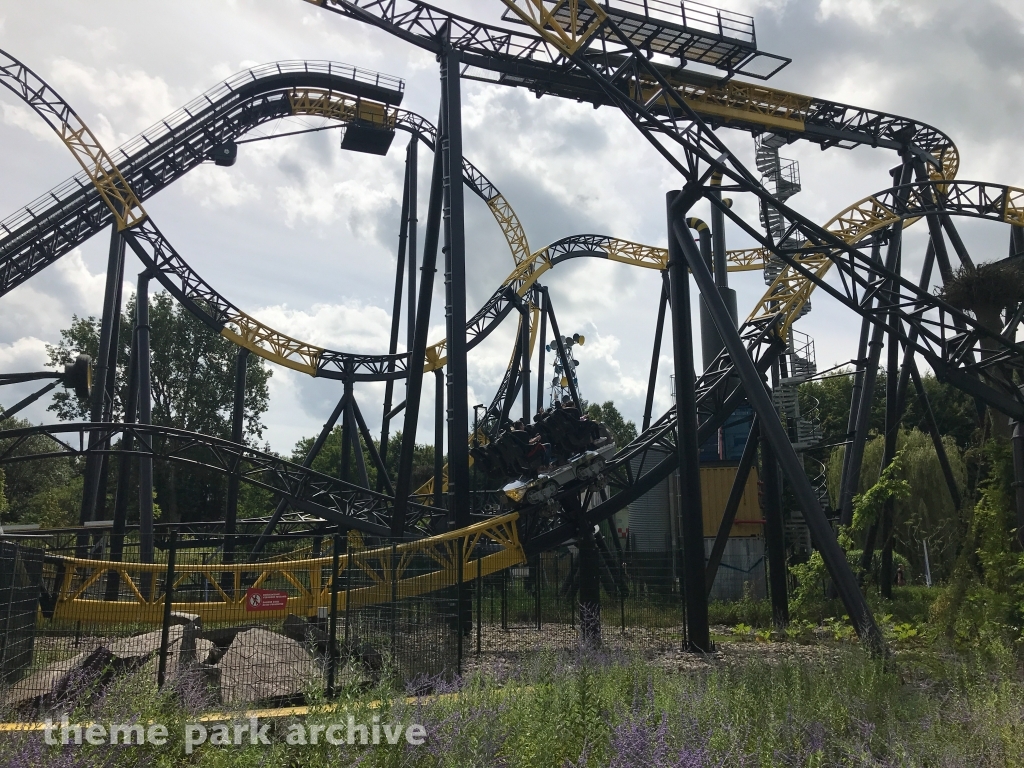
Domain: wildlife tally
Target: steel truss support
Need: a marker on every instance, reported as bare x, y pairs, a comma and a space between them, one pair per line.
542, 342
893, 416
375, 456
146, 542
405, 245
846, 490
563, 355
104, 375
122, 491
691, 519
455, 288
659, 330
237, 430
524, 361
821, 532
732, 505
774, 534
855, 450
350, 438
418, 352
439, 423
307, 462
895, 406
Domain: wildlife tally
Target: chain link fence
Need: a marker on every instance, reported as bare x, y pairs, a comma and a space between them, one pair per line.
307, 619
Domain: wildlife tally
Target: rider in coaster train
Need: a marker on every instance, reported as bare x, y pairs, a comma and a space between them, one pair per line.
561, 445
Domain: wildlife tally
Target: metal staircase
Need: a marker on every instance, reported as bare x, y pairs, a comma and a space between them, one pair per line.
802, 425
781, 177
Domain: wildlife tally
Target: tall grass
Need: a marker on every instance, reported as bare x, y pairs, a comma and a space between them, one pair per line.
832, 706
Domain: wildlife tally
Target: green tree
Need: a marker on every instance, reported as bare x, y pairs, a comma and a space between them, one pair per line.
37, 491
606, 413
328, 461
192, 371
829, 401
193, 381
926, 511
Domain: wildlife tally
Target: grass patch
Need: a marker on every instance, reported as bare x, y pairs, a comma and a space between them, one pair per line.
826, 705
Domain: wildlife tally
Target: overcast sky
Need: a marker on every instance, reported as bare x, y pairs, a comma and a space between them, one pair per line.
303, 235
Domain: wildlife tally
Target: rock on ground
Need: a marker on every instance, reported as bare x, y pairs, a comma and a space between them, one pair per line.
261, 665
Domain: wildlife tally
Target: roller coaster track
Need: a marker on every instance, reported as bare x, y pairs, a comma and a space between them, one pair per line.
683, 108
65, 217
219, 592
43, 231
671, 109
334, 500
48, 228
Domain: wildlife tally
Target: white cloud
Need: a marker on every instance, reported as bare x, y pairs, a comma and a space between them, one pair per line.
215, 187
135, 98
888, 15
21, 116
350, 327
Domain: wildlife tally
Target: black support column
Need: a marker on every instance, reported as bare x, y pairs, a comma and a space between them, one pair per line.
659, 331
146, 544
455, 290
103, 373
524, 367
821, 532
237, 429
396, 304
403, 482
438, 500
691, 519
774, 534
542, 342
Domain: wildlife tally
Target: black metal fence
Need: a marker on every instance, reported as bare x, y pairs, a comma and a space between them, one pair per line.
312, 617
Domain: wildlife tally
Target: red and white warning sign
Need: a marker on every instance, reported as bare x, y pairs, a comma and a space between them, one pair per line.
266, 600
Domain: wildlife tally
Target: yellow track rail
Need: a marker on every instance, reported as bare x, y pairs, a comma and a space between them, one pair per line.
745, 103
378, 575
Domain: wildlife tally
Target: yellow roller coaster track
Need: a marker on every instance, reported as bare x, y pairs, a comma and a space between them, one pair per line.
377, 576
744, 103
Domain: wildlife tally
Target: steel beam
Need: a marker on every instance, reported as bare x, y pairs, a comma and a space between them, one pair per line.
307, 461
691, 519
774, 534
383, 481
412, 161
524, 366
851, 470
845, 503
146, 543
432, 234
542, 341
659, 330
396, 304
109, 324
121, 493
732, 506
237, 430
455, 289
563, 355
821, 532
439, 439
933, 431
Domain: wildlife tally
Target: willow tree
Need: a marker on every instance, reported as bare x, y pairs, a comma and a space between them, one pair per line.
926, 513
